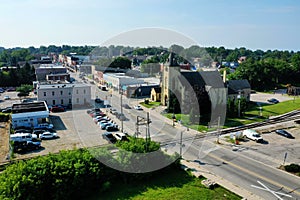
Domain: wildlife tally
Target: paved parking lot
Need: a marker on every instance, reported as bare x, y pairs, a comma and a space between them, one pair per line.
263, 97
75, 129
273, 150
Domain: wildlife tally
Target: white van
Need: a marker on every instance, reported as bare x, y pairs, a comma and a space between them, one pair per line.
22, 137
253, 135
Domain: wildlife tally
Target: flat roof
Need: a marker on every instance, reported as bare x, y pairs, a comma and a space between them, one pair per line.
29, 107
62, 85
50, 66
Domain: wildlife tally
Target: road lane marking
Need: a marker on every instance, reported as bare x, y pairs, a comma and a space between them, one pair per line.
253, 174
265, 188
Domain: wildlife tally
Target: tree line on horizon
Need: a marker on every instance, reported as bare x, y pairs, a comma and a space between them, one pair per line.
264, 70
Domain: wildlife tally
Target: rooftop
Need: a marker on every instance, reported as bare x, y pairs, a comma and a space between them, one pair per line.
65, 85
29, 107
51, 66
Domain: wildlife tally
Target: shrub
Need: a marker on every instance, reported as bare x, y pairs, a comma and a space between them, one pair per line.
294, 168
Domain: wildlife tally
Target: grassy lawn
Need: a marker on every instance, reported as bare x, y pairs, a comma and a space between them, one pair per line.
250, 116
150, 104
175, 184
185, 122
268, 110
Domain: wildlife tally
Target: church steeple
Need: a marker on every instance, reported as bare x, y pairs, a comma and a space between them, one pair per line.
171, 60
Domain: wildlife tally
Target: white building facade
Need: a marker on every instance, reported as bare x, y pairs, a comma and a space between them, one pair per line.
73, 95
29, 114
116, 80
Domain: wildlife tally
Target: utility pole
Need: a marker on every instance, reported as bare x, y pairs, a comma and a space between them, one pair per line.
121, 110
137, 127
148, 138
180, 150
218, 130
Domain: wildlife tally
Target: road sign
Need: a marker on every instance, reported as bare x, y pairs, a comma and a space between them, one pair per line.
284, 159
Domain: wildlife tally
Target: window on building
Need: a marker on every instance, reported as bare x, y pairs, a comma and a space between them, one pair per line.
61, 92
77, 100
53, 93
76, 91
69, 93
45, 94
70, 101
84, 91
53, 102
62, 101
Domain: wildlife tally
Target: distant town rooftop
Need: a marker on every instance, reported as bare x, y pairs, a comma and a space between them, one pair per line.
29, 107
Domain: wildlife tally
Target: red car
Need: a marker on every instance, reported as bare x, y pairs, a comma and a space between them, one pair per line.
57, 109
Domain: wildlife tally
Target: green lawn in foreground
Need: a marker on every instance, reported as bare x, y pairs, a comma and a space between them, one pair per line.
175, 184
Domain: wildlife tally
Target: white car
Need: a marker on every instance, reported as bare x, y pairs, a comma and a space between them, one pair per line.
138, 107
6, 97
22, 137
253, 135
48, 135
120, 136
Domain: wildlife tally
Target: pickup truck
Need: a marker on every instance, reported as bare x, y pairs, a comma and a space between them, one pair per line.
253, 135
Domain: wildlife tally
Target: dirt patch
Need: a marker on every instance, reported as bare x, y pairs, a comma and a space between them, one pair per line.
4, 141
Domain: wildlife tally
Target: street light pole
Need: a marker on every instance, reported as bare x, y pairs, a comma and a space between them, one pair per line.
239, 105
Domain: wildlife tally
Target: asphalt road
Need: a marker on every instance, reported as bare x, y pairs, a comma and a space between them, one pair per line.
252, 175
246, 172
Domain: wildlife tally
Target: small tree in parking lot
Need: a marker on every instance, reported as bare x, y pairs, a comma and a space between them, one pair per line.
24, 90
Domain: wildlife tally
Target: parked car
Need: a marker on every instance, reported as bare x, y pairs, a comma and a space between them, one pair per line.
104, 125
104, 121
126, 106
22, 130
6, 97
48, 135
112, 128
11, 89
138, 107
272, 100
33, 144
109, 137
57, 109
39, 131
22, 137
113, 111
44, 125
27, 145
93, 110
2, 90
284, 133
7, 110
253, 135
98, 100
100, 118
120, 136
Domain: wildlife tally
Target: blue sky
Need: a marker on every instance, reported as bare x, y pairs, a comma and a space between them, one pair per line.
254, 24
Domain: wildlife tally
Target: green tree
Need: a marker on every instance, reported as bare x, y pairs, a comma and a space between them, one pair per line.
121, 63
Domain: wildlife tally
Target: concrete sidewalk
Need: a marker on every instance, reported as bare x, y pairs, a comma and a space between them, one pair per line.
198, 171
